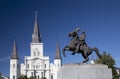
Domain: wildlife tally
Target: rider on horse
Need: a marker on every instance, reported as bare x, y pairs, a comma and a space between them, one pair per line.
79, 45
81, 42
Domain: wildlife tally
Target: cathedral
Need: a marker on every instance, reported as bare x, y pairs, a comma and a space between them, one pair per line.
36, 65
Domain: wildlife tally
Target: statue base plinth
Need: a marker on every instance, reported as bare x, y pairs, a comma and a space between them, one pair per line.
84, 71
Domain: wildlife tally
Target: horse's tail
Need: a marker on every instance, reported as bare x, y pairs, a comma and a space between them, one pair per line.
97, 51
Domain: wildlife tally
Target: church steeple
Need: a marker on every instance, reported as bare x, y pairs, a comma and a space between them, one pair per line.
57, 56
14, 51
36, 35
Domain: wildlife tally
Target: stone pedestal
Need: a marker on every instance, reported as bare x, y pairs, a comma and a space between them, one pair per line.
84, 71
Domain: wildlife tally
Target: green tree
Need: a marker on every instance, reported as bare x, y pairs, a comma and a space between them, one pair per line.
108, 60
25, 77
32, 77
22, 77
43, 78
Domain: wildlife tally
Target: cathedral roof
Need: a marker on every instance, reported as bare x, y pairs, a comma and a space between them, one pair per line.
57, 56
14, 51
36, 34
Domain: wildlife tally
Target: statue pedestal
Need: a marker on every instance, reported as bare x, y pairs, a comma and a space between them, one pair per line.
84, 71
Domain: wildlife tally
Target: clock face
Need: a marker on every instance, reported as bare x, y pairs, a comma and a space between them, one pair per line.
36, 52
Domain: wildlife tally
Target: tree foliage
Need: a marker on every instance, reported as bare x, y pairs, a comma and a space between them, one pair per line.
32, 77
108, 60
43, 78
22, 77
25, 77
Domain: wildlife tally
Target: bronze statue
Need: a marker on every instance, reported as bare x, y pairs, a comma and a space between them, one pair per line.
79, 45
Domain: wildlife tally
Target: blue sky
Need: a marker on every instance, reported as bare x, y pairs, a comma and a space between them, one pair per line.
99, 18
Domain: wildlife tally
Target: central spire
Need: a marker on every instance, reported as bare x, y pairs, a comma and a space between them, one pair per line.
36, 35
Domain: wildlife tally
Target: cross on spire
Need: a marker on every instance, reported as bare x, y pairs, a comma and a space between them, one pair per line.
36, 13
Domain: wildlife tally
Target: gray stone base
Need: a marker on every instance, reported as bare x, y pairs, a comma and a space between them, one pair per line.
84, 71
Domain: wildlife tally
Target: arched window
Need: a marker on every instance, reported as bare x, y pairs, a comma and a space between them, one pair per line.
38, 53
41, 74
13, 76
34, 53
27, 65
51, 76
13, 65
37, 67
45, 65
32, 74
38, 77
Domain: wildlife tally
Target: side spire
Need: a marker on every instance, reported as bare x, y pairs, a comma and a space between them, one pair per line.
36, 35
57, 56
14, 51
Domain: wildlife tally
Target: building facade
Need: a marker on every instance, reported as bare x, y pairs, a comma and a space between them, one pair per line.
36, 65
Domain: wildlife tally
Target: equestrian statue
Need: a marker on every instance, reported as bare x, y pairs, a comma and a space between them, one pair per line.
79, 45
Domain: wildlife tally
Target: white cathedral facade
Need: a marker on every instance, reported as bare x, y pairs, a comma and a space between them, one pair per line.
36, 65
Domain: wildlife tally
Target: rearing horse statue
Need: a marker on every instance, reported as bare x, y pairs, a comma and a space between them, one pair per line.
77, 45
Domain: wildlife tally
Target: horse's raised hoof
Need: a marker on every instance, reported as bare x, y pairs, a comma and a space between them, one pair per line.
64, 54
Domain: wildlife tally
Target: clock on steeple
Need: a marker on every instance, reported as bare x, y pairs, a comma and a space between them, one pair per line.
36, 52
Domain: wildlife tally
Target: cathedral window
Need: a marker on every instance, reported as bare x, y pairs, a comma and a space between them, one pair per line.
45, 65
27, 65
44, 73
35, 77
41, 74
38, 53
32, 73
58, 64
13, 65
38, 77
51, 76
13, 77
36, 67
34, 53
